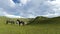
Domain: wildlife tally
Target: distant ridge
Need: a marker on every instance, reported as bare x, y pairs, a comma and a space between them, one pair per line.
45, 20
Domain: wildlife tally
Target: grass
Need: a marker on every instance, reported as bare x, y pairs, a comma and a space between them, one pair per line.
28, 29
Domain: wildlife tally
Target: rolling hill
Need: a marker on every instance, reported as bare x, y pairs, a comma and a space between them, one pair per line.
45, 20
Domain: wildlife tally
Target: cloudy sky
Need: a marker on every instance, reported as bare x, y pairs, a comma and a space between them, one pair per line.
29, 8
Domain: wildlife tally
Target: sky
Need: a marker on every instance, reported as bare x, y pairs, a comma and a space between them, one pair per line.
29, 8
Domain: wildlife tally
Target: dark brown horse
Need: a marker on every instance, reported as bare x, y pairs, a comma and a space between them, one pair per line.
20, 22
10, 21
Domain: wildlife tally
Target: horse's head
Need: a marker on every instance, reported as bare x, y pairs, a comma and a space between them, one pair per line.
18, 20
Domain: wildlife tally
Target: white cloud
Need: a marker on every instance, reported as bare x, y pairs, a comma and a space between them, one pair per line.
2, 12
11, 16
51, 15
24, 1
12, 4
55, 3
31, 16
31, 8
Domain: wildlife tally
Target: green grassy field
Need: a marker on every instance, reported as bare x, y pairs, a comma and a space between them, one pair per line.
28, 29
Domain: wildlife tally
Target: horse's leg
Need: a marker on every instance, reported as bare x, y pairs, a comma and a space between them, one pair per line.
23, 23
19, 23
12, 22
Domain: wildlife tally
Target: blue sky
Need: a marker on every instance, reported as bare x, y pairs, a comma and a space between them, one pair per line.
29, 8
16, 1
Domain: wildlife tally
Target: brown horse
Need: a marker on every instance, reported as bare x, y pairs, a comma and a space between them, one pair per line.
10, 21
20, 22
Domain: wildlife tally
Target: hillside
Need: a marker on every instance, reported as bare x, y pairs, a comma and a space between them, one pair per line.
45, 20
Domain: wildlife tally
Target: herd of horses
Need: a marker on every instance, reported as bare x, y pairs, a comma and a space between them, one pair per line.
13, 22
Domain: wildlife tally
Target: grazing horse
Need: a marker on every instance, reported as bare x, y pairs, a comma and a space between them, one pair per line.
10, 21
20, 22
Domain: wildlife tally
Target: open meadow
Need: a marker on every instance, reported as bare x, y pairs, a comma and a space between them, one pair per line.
28, 29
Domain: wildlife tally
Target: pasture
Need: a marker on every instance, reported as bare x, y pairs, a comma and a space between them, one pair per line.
28, 29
